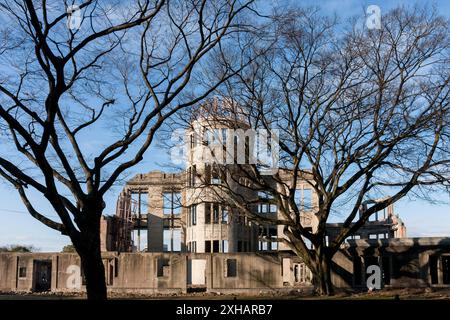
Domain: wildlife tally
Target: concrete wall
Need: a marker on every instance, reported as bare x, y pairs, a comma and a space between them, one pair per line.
253, 272
138, 272
151, 272
407, 262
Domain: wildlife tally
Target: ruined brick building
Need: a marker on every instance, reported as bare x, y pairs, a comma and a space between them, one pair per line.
173, 232
181, 212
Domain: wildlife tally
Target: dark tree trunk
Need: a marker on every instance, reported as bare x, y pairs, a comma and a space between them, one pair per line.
321, 269
94, 273
88, 247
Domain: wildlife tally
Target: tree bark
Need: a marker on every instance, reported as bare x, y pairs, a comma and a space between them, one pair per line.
88, 247
321, 269
94, 273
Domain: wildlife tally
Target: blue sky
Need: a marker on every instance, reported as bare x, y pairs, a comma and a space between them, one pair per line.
18, 227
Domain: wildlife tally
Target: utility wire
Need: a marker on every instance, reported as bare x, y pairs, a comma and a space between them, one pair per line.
4, 210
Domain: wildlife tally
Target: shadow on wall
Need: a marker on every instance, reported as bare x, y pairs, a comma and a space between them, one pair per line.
264, 278
411, 262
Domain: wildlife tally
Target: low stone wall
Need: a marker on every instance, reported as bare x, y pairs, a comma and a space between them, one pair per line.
405, 263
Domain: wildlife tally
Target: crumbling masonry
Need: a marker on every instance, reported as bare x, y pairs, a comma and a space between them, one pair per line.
171, 234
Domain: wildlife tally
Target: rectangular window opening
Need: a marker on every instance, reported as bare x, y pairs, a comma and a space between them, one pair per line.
194, 215
231, 268
224, 215
163, 267
207, 213
216, 246
216, 213
22, 272
207, 246
446, 269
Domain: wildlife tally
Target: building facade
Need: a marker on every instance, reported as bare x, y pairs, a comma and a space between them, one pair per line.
407, 262
191, 211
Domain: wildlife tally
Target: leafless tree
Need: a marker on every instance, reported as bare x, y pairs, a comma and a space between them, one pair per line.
362, 114
81, 100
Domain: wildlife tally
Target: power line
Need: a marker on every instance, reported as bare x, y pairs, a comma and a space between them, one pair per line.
4, 210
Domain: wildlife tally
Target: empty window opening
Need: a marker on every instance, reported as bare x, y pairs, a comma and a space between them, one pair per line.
189, 217
193, 215
223, 131
163, 267
303, 199
189, 177
231, 268
139, 237
216, 214
192, 246
302, 274
172, 203
239, 246
262, 245
192, 141
192, 176
22, 272
172, 240
433, 262
307, 199
176, 240
205, 138
140, 200
249, 148
274, 244
207, 213
116, 267
215, 175
272, 231
268, 238
225, 246
208, 246
207, 174
224, 215
110, 274
265, 195
235, 149
296, 272
446, 269
216, 246
263, 209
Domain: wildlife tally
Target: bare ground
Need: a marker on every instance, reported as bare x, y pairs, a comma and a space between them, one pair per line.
387, 294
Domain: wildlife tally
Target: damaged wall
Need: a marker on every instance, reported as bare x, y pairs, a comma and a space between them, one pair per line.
410, 262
